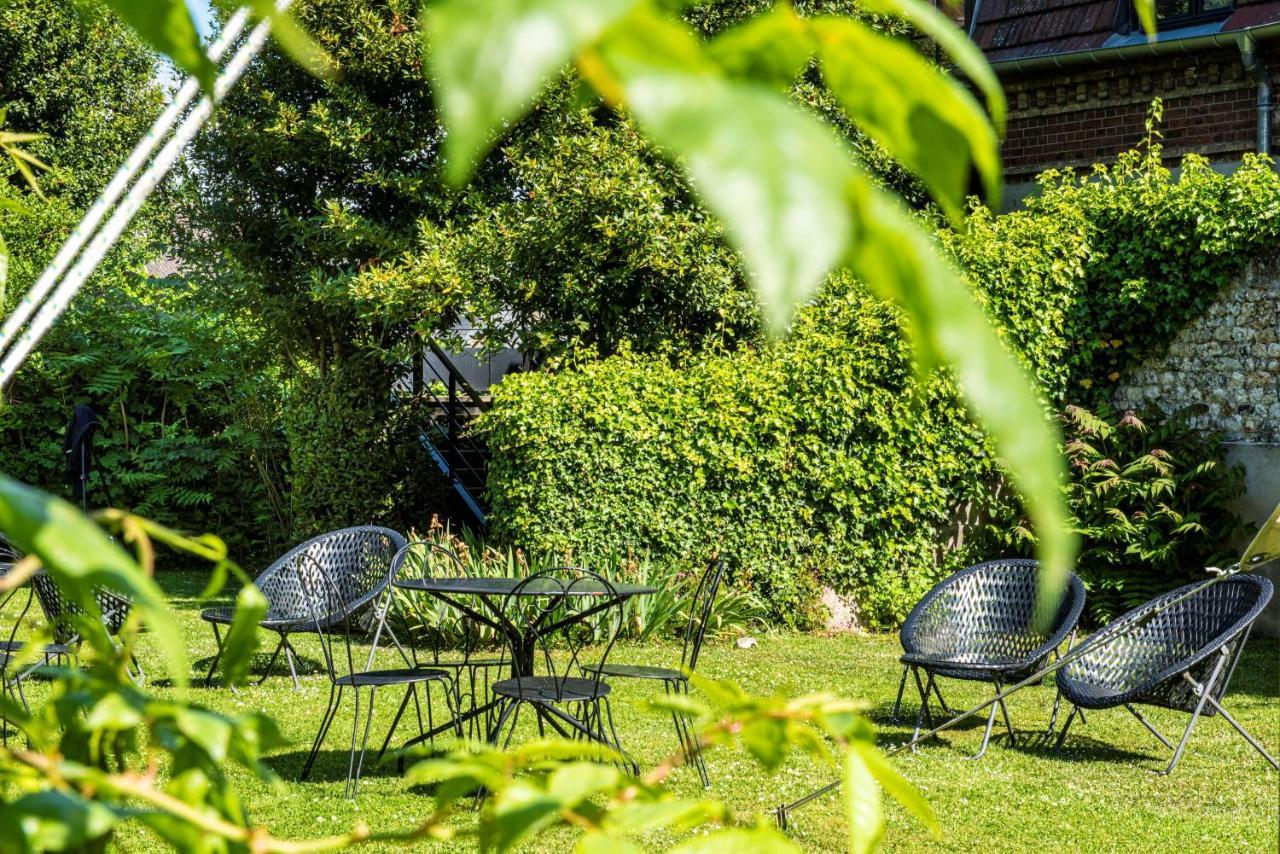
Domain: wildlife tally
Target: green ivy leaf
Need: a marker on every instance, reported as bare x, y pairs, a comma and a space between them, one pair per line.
81, 557
863, 803
166, 25
924, 118
902, 264
241, 641
490, 59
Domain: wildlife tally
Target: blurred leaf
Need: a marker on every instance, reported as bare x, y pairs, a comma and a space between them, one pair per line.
517, 811
489, 60
81, 557
113, 712
606, 843
638, 816
862, 800
1265, 546
53, 820
771, 48
773, 175
577, 781
922, 117
760, 839
166, 25
294, 40
1147, 16
902, 264
241, 641
898, 787
766, 740
931, 22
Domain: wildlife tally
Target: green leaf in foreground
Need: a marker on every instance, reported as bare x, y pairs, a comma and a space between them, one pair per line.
489, 60
774, 176
1265, 547
166, 25
863, 803
81, 557
931, 22
924, 118
898, 260
242, 638
898, 787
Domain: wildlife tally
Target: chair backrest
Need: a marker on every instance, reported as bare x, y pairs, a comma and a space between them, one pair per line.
1144, 650
987, 612
422, 625
329, 614
357, 560
704, 599
561, 612
60, 611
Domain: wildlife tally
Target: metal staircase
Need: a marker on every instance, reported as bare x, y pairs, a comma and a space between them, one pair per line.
445, 405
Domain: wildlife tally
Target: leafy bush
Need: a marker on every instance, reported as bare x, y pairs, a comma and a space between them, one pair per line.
820, 459
1149, 500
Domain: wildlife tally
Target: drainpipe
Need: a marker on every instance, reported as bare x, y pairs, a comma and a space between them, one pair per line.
1256, 68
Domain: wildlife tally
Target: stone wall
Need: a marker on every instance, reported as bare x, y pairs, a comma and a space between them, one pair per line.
1228, 360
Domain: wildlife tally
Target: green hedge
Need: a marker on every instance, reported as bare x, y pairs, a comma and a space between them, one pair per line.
819, 459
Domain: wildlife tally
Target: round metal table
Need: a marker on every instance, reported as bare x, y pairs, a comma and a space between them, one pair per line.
491, 593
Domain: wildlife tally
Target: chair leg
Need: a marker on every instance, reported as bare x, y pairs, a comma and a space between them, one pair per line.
1243, 732
1203, 689
271, 664
1066, 725
923, 716
986, 734
897, 704
354, 780
1150, 727
410, 692
1053, 718
1004, 712
288, 655
335, 699
698, 759
632, 765
217, 656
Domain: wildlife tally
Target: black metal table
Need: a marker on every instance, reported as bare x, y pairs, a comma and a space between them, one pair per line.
492, 593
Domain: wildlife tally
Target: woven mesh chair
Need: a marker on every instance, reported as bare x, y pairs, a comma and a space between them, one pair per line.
357, 561
978, 625
62, 615
676, 681
331, 620
1180, 658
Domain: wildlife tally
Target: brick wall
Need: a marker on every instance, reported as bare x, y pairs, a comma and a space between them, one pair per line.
1086, 115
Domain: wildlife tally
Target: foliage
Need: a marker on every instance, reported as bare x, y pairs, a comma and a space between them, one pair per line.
820, 459
1149, 498
815, 459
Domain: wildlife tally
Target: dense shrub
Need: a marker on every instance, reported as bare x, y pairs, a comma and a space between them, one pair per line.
820, 459
1148, 497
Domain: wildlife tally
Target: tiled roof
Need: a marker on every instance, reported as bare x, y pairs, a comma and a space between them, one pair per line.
1017, 29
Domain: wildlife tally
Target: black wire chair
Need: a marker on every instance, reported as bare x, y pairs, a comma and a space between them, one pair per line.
676, 681
357, 559
331, 614
436, 636
1181, 658
562, 611
978, 625
64, 615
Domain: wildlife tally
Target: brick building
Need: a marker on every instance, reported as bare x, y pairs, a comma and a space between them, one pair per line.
1080, 75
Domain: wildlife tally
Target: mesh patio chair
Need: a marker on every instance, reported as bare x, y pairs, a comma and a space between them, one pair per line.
978, 625
1182, 658
676, 681
561, 612
62, 615
331, 614
432, 634
357, 559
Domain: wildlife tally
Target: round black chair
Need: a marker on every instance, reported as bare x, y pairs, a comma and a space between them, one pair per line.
562, 612
676, 681
331, 613
979, 625
1177, 651
63, 615
356, 559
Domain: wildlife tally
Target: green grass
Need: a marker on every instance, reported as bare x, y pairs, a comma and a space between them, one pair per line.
1098, 795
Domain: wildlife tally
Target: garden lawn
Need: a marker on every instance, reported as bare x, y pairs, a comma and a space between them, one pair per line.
1098, 795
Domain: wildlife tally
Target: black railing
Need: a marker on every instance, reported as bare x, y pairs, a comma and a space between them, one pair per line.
445, 406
